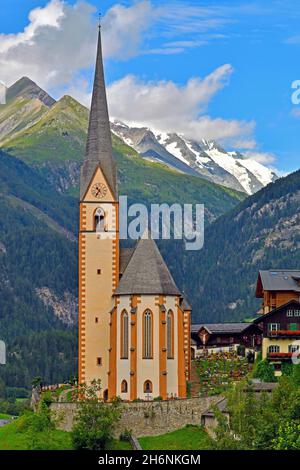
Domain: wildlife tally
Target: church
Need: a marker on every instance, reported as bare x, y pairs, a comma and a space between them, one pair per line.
134, 324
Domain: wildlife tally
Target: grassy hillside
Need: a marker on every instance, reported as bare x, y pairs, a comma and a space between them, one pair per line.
18, 436
152, 183
59, 135
17, 115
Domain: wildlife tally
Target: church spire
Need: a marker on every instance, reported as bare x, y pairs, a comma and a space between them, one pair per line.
99, 145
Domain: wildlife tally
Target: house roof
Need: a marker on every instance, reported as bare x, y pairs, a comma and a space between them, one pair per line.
147, 272
221, 328
275, 310
262, 387
278, 280
221, 405
99, 145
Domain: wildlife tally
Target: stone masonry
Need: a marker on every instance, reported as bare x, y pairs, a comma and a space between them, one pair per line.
146, 418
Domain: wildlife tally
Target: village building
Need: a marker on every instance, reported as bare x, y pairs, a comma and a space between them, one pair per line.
224, 337
281, 334
277, 287
134, 325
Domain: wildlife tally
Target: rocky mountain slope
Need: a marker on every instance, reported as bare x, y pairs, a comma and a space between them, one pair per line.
205, 158
263, 232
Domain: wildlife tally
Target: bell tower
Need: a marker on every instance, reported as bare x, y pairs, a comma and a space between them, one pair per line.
98, 240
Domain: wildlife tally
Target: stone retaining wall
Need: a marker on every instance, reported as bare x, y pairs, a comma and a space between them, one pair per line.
146, 418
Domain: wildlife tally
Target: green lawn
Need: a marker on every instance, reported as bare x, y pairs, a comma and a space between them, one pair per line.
5, 416
13, 438
120, 445
188, 438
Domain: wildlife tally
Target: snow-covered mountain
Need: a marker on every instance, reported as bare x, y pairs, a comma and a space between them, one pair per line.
205, 158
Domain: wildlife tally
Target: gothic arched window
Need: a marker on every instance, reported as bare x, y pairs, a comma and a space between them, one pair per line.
170, 335
124, 386
99, 220
147, 335
124, 335
148, 386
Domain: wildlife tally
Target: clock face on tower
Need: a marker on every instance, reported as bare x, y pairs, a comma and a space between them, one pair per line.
99, 190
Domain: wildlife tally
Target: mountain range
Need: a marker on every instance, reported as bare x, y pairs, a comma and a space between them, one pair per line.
31, 117
42, 142
203, 158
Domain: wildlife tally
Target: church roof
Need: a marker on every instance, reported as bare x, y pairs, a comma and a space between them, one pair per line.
185, 305
99, 145
147, 272
125, 255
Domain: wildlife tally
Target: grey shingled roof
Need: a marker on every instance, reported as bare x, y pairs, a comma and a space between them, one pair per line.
99, 145
219, 328
221, 405
262, 387
146, 272
125, 255
284, 280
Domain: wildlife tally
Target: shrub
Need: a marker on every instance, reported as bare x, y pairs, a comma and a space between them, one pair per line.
94, 426
264, 371
287, 368
47, 397
36, 422
96, 420
126, 435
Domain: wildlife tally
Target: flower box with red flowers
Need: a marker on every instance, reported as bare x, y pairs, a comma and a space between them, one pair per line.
279, 354
285, 333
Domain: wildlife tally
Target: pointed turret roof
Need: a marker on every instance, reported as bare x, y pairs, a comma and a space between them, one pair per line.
147, 272
99, 145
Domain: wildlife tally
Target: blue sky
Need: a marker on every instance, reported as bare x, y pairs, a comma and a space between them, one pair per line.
170, 43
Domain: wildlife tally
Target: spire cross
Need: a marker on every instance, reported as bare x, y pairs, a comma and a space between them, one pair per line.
99, 20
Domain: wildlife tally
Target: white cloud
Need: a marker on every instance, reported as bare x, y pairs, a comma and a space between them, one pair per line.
57, 47
169, 107
59, 41
54, 45
244, 143
123, 29
265, 158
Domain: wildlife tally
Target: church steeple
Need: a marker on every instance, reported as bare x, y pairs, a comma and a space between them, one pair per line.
99, 145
